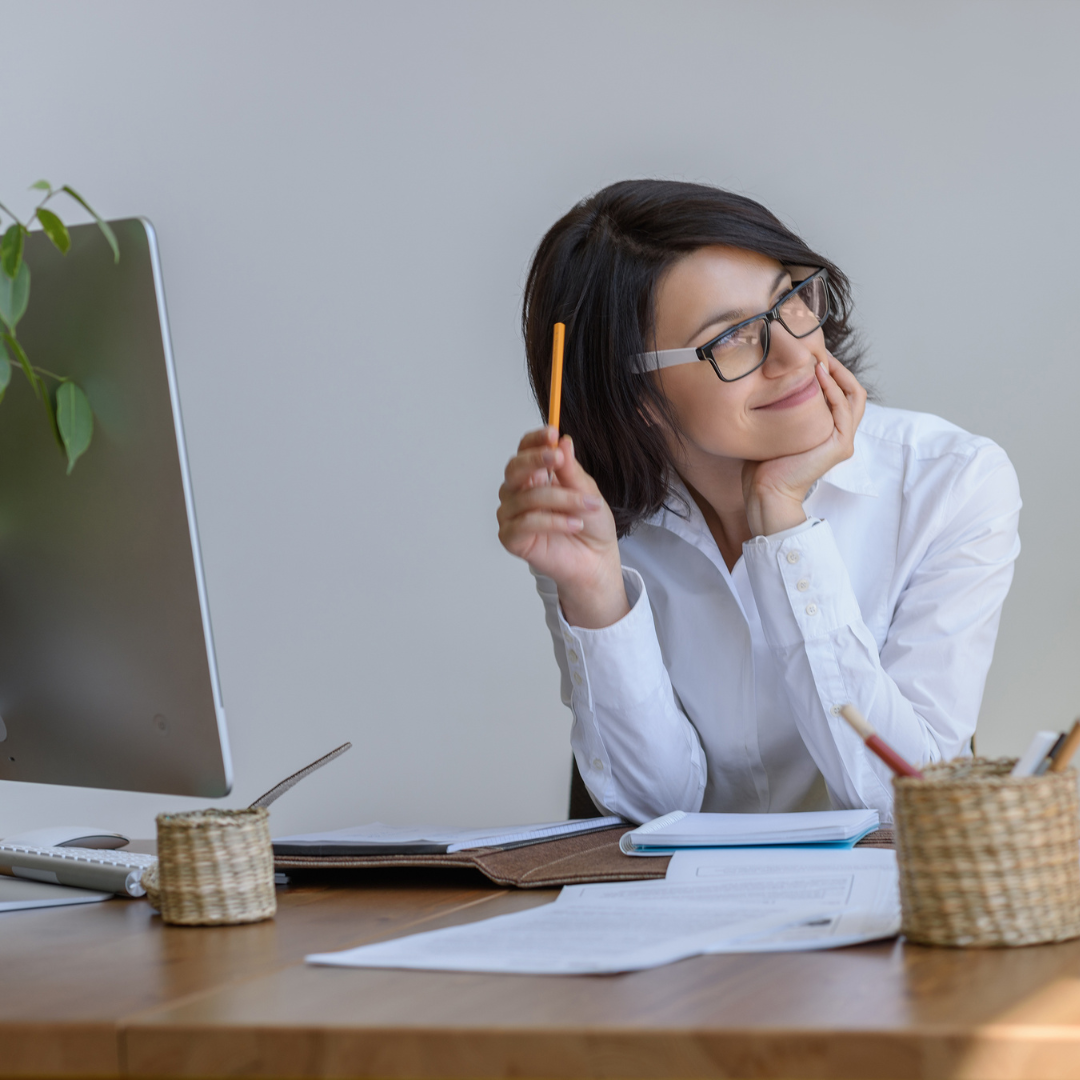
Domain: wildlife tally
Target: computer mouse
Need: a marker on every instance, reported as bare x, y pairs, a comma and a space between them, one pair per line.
85, 836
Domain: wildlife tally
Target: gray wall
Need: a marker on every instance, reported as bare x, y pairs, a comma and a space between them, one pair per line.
347, 196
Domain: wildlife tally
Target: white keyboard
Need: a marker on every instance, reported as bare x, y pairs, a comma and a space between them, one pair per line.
84, 868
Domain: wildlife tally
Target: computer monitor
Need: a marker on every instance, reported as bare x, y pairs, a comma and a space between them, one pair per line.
107, 670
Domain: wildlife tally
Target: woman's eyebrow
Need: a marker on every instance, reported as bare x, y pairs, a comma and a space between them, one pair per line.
735, 314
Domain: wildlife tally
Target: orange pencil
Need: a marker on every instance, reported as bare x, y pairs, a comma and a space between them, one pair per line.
556, 375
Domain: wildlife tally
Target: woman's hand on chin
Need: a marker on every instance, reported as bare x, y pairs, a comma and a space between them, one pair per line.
551, 514
774, 490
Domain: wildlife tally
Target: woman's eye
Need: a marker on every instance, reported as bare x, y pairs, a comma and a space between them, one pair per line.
739, 338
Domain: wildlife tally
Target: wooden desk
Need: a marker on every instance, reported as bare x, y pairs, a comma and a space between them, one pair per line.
106, 990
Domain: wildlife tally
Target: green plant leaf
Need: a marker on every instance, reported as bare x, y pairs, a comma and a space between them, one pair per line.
11, 250
5, 371
55, 230
14, 296
102, 225
40, 185
75, 419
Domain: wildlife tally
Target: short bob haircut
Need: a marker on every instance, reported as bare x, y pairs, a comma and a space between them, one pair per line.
597, 270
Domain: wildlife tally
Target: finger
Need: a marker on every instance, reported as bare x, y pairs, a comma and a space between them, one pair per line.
558, 499
545, 436
527, 463
570, 474
834, 393
837, 399
855, 391
844, 378
522, 530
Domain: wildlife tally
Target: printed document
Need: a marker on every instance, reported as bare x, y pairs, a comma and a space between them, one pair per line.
859, 888
571, 938
712, 901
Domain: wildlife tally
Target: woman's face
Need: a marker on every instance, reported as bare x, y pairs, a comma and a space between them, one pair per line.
773, 412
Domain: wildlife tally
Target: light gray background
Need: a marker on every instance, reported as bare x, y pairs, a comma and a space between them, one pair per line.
347, 196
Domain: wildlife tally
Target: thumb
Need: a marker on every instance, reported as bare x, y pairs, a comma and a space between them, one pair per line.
570, 474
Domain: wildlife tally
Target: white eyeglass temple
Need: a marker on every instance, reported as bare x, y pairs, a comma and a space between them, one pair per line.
665, 358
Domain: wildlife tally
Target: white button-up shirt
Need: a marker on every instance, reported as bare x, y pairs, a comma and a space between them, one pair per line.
721, 690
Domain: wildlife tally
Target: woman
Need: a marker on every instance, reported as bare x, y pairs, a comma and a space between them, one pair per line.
730, 543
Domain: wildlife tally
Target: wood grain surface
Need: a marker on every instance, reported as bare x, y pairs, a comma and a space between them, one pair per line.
106, 990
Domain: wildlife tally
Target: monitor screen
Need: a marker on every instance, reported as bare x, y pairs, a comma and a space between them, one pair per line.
107, 670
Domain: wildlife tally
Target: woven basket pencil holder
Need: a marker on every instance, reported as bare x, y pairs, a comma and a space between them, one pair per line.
986, 858
214, 867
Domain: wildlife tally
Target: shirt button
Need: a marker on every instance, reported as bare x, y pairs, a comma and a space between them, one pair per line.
577, 678
597, 764
835, 710
811, 609
802, 584
573, 656
793, 557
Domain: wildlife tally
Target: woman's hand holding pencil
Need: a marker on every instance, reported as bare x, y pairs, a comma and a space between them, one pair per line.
551, 514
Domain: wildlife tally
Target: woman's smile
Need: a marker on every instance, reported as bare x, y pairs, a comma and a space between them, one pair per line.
805, 391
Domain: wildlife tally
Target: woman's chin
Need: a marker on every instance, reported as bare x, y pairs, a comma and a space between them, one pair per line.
797, 438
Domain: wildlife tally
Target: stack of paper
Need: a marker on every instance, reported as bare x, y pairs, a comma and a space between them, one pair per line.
735, 900
664, 835
379, 839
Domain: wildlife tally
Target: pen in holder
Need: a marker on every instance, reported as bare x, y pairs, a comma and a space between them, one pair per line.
986, 858
214, 868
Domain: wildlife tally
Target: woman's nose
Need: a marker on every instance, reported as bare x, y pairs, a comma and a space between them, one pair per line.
785, 352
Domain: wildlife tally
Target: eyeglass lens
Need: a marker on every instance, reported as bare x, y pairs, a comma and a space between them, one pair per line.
742, 349
806, 308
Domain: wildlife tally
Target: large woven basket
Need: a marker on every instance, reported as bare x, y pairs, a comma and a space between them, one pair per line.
988, 859
214, 867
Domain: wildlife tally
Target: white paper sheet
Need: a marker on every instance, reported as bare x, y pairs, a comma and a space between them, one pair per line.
860, 887
18, 895
726, 900
571, 939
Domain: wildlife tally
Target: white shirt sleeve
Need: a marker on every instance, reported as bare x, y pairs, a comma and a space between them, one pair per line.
923, 688
635, 749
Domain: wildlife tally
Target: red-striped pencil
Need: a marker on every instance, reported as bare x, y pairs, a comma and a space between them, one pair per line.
878, 745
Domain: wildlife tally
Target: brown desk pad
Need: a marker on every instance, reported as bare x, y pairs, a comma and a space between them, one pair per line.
570, 860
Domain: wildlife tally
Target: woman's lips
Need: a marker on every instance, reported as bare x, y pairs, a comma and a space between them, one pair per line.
800, 394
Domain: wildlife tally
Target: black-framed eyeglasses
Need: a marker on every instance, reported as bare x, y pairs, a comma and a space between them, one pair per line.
742, 349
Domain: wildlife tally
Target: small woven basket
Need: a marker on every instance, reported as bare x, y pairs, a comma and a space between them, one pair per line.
986, 858
214, 867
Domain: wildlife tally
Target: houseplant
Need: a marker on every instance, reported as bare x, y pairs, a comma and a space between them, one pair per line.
66, 406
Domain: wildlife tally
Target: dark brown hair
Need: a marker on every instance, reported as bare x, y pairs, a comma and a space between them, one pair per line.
596, 270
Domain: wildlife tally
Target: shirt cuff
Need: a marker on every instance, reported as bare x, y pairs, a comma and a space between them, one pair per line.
621, 664
800, 583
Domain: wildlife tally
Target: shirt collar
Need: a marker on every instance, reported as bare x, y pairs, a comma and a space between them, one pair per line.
851, 476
